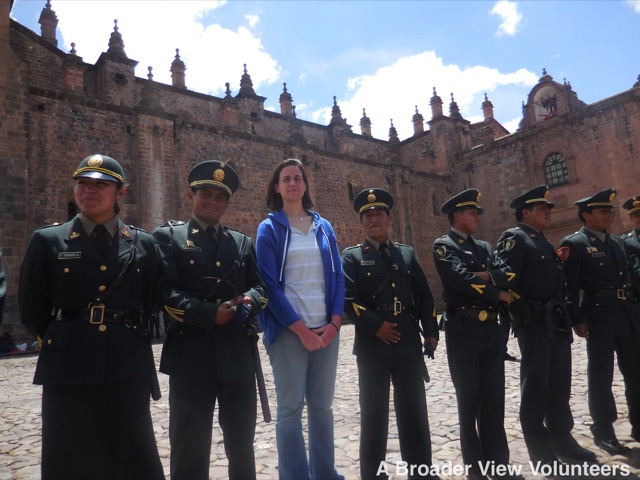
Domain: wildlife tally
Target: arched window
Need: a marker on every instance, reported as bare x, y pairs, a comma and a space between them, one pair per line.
555, 170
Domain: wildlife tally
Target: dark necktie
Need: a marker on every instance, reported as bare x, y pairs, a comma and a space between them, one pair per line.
101, 239
212, 233
386, 255
474, 246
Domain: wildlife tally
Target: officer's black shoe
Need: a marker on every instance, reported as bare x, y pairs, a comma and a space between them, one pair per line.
509, 358
570, 451
611, 445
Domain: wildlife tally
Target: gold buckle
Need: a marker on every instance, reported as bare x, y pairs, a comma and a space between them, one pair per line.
483, 315
620, 293
397, 308
99, 308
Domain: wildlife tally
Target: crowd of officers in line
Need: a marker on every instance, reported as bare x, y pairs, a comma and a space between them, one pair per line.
88, 286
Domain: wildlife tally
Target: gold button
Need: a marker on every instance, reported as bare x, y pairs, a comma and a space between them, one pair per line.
103, 268
102, 328
191, 262
49, 342
393, 285
102, 288
601, 264
483, 266
482, 316
368, 274
542, 257
219, 301
217, 264
395, 299
66, 270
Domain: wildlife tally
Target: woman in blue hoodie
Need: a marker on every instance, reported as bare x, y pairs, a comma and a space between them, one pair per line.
300, 264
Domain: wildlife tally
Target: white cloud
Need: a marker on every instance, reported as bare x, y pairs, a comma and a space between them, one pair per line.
511, 18
151, 32
635, 4
392, 92
253, 20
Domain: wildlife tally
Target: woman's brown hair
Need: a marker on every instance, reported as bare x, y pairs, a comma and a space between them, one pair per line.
274, 199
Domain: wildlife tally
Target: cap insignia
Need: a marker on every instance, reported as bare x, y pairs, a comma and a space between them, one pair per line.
612, 196
95, 161
636, 203
546, 194
478, 197
371, 198
218, 175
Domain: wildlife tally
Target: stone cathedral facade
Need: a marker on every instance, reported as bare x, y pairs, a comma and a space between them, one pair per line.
55, 109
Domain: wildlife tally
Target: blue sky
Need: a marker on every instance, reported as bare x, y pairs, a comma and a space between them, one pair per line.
383, 56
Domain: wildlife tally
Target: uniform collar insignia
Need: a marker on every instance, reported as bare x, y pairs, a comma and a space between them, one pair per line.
461, 240
194, 231
190, 243
532, 235
74, 235
124, 232
367, 248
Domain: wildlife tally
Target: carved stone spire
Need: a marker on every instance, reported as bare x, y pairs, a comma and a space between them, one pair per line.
418, 122
436, 105
178, 69
48, 23
246, 85
116, 45
365, 124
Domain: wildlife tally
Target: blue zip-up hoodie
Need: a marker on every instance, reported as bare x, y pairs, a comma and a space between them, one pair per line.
272, 245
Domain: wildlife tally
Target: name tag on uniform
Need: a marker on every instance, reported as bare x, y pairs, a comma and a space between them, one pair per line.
69, 255
367, 263
191, 248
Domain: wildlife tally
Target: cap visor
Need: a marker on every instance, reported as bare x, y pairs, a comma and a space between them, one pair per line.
97, 176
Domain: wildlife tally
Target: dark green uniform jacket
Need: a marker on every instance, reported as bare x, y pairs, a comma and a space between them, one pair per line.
602, 272
632, 242
191, 266
62, 269
372, 289
455, 259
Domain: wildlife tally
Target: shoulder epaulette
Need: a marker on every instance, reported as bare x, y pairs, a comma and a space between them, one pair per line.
133, 227
57, 224
352, 247
234, 230
173, 223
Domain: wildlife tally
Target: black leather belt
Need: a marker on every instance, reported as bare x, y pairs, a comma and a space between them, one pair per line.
612, 293
396, 307
99, 314
473, 313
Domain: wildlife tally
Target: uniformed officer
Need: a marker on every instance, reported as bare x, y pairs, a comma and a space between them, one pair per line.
543, 327
632, 238
208, 272
389, 301
607, 315
86, 288
475, 284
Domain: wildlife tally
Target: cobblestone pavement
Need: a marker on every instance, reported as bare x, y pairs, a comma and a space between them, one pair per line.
20, 419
